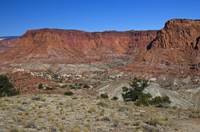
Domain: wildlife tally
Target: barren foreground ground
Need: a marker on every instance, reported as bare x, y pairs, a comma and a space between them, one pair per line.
54, 112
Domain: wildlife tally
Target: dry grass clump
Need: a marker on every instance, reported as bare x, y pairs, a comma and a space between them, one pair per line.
116, 120
20, 113
166, 117
102, 112
43, 99
40, 105
29, 124
126, 122
33, 107
26, 113
91, 110
105, 118
14, 129
112, 114
15, 105
137, 123
63, 117
61, 127
48, 111
154, 120
73, 109
76, 128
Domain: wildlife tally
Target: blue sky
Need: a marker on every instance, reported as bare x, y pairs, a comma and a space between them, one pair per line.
17, 16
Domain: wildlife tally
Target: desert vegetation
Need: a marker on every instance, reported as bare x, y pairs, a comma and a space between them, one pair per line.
52, 112
135, 93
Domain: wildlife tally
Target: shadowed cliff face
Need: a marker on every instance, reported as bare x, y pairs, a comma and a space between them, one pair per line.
71, 46
7, 44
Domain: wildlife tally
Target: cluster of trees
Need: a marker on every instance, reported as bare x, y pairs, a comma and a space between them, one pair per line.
135, 93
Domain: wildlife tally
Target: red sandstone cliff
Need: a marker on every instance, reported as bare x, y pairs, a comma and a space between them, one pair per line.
7, 44
177, 43
71, 46
178, 33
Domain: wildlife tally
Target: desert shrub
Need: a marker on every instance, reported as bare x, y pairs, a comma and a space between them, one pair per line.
14, 130
133, 93
68, 93
154, 120
48, 88
102, 104
114, 98
86, 86
105, 118
64, 86
6, 87
137, 123
104, 96
166, 99
126, 122
29, 124
72, 87
142, 100
159, 100
156, 100
40, 86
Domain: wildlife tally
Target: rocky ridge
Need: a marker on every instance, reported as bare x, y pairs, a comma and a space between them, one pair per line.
7, 44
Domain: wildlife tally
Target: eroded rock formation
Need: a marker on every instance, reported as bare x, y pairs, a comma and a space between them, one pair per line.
72, 46
177, 43
7, 44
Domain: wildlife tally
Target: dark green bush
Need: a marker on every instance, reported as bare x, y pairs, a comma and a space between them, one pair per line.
40, 86
166, 99
68, 93
156, 100
142, 100
48, 88
86, 86
73, 87
159, 100
6, 87
104, 96
114, 98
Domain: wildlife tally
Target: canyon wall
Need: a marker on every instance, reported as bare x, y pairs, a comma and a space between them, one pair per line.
73, 46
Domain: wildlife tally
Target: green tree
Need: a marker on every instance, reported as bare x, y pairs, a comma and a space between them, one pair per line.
6, 87
142, 100
133, 93
40, 86
114, 98
104, 96
86, 86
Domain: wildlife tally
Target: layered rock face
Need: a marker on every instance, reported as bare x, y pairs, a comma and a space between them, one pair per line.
176, 44
71, 46
7, 44
178, 34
